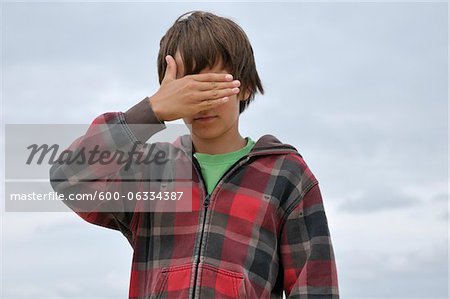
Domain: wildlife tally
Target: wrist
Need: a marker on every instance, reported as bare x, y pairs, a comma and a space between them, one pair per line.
154, 108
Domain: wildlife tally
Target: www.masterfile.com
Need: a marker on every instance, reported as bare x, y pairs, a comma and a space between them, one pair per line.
97, 195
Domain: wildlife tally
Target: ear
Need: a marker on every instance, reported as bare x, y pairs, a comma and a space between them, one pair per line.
246, 95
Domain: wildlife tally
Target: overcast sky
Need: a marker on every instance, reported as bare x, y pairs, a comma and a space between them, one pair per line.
360, 89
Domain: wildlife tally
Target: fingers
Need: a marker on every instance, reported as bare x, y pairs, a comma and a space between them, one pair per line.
217, 93
210, 103
214, 77
171, 69
212, 89
203, 86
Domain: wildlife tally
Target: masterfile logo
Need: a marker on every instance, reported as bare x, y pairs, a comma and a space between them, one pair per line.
48, 163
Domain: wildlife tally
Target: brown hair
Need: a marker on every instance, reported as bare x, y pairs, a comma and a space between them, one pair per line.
202, 39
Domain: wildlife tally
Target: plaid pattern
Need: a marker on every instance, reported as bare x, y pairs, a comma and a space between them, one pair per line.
263, 231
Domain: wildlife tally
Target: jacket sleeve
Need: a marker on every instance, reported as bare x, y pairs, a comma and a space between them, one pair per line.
109, 132
307, 257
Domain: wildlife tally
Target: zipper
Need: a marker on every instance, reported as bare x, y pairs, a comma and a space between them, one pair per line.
205, 205
206, 202
207, 197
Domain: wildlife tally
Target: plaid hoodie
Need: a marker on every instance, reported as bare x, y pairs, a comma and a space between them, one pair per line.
262, 231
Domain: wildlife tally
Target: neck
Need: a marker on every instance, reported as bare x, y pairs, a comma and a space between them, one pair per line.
219, 145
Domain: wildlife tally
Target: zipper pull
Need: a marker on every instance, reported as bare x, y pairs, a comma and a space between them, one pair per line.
206, 202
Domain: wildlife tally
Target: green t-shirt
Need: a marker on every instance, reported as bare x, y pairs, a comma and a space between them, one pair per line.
214, 166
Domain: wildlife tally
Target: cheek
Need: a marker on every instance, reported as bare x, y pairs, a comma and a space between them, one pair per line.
230, 106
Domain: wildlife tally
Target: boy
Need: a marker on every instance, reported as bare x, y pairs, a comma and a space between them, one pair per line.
257, 226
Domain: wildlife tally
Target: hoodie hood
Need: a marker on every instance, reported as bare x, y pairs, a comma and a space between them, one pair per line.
266, 144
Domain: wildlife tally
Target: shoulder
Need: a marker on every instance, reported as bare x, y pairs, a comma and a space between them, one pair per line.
293, 178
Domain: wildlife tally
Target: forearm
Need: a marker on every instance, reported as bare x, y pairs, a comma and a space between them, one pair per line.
143, 120
109, 133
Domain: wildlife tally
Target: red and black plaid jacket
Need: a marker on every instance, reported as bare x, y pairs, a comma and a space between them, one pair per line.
262, 231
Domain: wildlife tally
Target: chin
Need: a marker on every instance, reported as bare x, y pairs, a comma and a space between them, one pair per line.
205, 133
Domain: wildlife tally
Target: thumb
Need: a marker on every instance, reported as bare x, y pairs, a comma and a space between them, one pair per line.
171, 69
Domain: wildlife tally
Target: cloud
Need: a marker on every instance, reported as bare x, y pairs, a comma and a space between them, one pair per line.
379, 198
397, 274
54, 257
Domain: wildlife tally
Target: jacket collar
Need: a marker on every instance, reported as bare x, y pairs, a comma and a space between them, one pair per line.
265, 145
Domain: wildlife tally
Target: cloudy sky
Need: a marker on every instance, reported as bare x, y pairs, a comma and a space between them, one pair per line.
359, 88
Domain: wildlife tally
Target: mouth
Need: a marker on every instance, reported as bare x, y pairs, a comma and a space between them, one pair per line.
205, 118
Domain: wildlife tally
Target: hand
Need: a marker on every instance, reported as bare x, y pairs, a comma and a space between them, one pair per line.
184, 97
